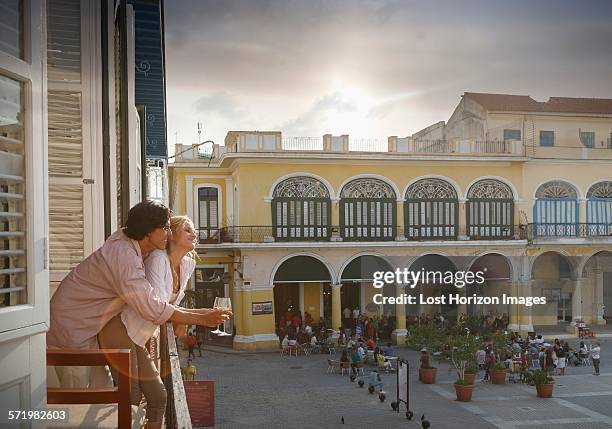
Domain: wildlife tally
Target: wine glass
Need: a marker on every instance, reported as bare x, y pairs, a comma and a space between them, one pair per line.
225, 304
217, 304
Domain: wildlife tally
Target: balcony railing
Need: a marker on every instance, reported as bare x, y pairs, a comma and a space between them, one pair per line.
265, 234
177, 413
568, 230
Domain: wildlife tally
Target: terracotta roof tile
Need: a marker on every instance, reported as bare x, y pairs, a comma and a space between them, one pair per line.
524, 103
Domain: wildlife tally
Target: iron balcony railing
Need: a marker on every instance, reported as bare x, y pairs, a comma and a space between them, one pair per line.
266, 234
567, 230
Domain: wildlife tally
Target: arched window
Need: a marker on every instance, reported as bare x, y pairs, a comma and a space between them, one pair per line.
431, 210
301, 209
367, 210
555, 210
599, 209
490, 210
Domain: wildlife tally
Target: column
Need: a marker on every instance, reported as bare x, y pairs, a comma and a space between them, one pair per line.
462, 308
513, 311
577, 310
581, 212
399, 334
524, 313
598, 301
336, 306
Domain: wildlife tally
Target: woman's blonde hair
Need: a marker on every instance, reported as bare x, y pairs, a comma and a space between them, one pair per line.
177, 223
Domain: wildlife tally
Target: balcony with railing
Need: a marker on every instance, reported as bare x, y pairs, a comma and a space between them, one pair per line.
568, 230
331, 233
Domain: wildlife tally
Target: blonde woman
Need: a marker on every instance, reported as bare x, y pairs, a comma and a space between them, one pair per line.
168, 272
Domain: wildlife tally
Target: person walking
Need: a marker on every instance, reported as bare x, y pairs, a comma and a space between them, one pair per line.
595, 353
192, 341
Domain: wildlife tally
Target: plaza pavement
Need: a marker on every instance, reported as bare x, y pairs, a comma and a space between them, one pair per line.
264, 390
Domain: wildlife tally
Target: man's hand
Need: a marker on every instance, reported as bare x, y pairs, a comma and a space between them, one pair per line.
180, 330
214, 317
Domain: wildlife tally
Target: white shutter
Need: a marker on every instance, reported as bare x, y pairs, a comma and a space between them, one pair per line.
67, 157
66, 226
12, 195
64, 40
65, 134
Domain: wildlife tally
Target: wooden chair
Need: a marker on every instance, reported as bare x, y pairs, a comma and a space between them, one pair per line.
345, 366
119, 395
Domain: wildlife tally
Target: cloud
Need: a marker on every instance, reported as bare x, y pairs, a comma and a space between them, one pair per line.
221, 104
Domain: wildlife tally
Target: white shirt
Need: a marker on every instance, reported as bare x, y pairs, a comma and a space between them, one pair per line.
347, 313
595, 352
356, 313
159, 274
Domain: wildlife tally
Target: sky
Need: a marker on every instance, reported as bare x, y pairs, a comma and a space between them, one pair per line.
371, 68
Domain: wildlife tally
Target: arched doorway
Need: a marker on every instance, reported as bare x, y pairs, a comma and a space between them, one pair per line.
597, 287
301, 284
429, 264
553, 278
357, 290
497, 273
555, 210
431, 210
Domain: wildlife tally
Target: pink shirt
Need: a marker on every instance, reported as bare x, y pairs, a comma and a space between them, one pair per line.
159, 274
98, 289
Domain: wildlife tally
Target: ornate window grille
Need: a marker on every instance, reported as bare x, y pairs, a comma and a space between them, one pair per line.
431, 210
368, 210
599, 209
490, 210
555, 211
301, 209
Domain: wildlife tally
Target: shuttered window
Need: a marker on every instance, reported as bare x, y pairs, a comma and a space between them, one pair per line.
11, 30
65, 136
64, 40
12, 194
208, 200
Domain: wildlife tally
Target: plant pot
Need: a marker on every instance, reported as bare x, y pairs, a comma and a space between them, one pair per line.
545, 390
498, 376
428, 375
470, 377
464, 392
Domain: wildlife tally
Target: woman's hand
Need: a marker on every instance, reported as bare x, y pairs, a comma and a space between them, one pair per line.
214, 317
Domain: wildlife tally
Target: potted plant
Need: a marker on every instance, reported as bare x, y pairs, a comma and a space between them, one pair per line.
428, 374
498, 373
463, 358
542, 381
470, 373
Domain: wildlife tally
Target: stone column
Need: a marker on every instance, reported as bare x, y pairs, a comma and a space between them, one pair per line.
401, 227
581, 211
399, 334
577, 310
524, 313
336, 306
513, 311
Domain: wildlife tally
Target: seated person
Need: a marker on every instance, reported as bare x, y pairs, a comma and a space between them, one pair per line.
376, 380
371, 344
355, 360
313, 340
362, 352
382, 363
388, 350
285, 342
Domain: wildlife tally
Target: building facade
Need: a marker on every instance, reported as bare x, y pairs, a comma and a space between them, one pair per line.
306, 221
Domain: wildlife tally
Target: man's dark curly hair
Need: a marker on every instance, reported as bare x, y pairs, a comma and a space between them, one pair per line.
145, 217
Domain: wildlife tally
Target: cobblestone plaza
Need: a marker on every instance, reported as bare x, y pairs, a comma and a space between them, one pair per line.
264, 390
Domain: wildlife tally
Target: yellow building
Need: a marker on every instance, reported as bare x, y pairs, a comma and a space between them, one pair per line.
520, 187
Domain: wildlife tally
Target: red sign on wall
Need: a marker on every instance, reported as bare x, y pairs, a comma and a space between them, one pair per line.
201, 402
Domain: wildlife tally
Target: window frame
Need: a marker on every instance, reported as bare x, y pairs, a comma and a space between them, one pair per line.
31, 73
552, 133
512, 130
196, 204
590, 134
210, 229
